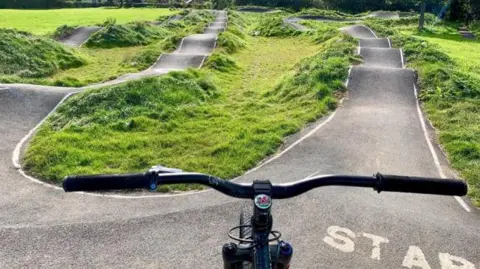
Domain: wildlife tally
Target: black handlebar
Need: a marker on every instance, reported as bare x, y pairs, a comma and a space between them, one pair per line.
379, 182
107, 182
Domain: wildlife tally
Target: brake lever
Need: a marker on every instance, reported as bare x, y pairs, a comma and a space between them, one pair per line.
158, 169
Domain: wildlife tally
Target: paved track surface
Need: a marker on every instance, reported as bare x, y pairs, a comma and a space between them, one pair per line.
376, 129
178, 61
79, 36
464, 32
213, 29
190, 50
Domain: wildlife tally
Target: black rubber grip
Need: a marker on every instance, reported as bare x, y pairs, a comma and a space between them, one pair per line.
421, 185
106, 182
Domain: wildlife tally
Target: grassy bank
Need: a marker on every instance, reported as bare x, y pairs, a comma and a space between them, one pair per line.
42, 22
114, 51
447, 66
220, 121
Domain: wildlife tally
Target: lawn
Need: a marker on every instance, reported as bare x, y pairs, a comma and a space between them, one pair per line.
102, 65
465, 53
458, 119
108, 57
221, 120
42, 22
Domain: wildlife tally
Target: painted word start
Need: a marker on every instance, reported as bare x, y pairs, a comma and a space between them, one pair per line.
343, 240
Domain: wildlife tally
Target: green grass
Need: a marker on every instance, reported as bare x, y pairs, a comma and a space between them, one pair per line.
448, 66
27, 56
42, 22
221, 120
105, 59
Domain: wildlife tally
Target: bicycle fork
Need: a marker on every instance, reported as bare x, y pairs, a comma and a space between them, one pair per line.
235, 255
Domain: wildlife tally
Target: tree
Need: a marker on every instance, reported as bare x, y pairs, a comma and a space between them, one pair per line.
421, 21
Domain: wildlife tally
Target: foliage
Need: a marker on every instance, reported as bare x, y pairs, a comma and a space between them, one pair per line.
447, 67
142, 60
46, 21
467, 11
31, 3
109, 63
221, 62
28, 56
132, 34
62, 31
183, 121
319, 76
328, 13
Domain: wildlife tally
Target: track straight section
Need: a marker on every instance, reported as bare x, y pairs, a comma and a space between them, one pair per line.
380, 58
377, 128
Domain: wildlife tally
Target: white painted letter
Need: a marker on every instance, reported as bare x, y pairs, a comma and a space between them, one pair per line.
447, 262
376, 240
415, 258
339, 241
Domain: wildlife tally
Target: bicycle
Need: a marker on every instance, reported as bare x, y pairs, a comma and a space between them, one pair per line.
254, 248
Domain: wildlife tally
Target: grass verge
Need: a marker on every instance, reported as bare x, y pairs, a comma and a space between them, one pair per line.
447, 66
106, 59
217, 121
127, 35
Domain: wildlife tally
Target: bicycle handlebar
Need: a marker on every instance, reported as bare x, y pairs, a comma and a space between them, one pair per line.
379, 182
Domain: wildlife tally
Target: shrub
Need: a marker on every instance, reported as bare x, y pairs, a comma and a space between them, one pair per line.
63, 31
230, 42
221, 62
29, 56
132, 34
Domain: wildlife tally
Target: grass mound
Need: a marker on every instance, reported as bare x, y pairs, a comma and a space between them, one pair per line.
47, 20
28, 56
198, 16
334, 14
63, 31
133, 34
216, 122
273, 25
119, 119
450, 88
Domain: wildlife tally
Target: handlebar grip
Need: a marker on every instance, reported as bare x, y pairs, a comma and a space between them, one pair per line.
106, 182
421, 185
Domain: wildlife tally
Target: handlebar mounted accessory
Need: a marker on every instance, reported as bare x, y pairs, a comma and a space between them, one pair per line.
158, 169
379, 183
